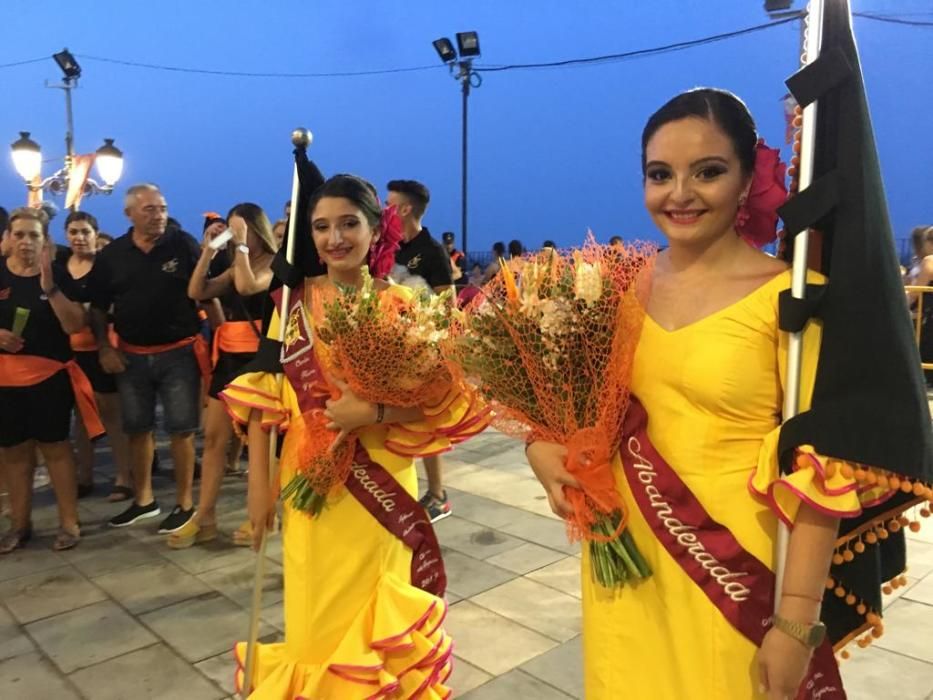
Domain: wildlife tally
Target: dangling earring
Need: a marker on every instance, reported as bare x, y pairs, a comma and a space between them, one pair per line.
742, 215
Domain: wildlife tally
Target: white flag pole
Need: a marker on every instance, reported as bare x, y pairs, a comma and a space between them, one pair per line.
301, 138
812, 37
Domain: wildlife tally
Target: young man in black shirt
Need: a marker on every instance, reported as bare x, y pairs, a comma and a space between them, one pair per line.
424, 257
144, 276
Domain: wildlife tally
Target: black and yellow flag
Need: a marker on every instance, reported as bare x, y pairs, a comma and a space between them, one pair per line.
869, 405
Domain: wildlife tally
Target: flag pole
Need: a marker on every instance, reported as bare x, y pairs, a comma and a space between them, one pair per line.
811, 51
301, 138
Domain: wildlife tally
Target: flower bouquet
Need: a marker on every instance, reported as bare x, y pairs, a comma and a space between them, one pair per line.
387, 347
550, 343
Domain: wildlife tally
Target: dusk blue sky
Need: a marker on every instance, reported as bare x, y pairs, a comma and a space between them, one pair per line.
553, 152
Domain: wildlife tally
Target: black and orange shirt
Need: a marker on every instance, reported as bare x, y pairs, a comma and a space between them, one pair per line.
148, 291
42, 335
424, 257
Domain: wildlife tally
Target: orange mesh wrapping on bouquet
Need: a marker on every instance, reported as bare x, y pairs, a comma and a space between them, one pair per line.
385, 346
550, 342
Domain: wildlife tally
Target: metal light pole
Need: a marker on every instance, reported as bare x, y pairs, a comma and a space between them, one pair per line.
468, 43
27, 157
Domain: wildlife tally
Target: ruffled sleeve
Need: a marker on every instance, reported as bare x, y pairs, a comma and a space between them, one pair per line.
458, 416
261, 391
823, 483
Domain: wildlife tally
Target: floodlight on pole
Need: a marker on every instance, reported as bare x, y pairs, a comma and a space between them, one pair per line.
468, 43
66, 61
445, 49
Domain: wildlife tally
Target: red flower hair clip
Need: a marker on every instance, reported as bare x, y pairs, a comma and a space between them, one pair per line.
382, 251
756, 220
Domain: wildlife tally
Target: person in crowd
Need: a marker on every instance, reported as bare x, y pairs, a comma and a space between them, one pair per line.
616, 241
549, 245
242, 288
39, 379
516, 249
103, 240
921, 275
457, 258
473, 286
78, 259
279, 228
709, 371
352, 594
492, 269
143, 276
424, 257
4, 221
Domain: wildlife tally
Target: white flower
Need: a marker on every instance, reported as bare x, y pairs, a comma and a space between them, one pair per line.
555, 316
587, 282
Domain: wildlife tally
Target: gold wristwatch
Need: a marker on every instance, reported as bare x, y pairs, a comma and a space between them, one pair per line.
809, 634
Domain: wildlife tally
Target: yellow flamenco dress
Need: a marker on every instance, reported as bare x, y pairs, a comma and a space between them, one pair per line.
713, 391
355, 626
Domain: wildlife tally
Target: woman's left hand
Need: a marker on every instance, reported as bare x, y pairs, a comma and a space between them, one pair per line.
46, 280
782, 665
348, 413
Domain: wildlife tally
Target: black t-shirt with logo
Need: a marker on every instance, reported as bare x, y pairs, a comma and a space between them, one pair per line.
426, 258
148, 291
43, 334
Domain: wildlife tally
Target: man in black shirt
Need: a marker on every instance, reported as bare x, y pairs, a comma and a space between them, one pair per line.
424, 257
144, 276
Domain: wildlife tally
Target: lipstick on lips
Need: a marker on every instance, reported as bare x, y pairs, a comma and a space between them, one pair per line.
684, 217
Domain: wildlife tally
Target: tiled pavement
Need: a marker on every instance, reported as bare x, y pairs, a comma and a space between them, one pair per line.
124, 617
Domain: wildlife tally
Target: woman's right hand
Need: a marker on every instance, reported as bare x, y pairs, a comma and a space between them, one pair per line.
261, 510
9, 341
548, 461
111, 360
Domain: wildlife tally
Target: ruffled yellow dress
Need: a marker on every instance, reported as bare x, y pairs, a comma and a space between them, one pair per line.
355, 627
713, 391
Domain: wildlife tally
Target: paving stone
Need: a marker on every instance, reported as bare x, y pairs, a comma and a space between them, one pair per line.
513, 685
493, 643
202, 627
151, 586
48, 593
153, 673
88, 636
31, 677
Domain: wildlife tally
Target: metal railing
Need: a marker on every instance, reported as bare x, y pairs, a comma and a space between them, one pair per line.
920, 293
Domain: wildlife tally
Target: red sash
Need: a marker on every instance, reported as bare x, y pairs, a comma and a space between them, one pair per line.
735, 581
376, 490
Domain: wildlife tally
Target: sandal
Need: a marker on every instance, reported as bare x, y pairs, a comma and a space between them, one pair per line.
120, 493
15, 539
243, 535
66, 540
191, 533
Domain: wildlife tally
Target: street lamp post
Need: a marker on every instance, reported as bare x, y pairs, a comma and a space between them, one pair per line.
468, 44
27, 156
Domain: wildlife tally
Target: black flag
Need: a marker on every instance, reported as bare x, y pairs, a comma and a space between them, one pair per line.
305, 260
869, 404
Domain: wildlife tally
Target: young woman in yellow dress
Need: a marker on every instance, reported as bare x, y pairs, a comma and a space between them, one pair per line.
709, 372
363, 578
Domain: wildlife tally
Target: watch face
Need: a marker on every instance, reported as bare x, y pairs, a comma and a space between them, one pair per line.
817, 634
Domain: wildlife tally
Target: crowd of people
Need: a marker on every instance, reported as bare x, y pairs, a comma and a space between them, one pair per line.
153, 317
106, 333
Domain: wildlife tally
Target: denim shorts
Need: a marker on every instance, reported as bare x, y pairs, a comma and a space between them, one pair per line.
173, 378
